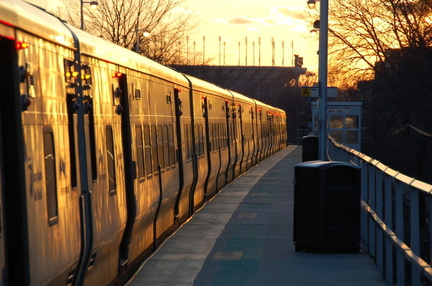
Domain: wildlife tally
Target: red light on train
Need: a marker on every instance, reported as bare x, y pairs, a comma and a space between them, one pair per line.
117, 75
21, 45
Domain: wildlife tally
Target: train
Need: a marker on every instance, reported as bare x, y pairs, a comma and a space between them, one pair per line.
105, 153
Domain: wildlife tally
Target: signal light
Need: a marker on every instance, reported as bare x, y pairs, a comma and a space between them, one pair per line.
21, 45
117, 74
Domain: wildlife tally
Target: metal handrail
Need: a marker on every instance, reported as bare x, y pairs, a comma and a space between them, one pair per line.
396, 219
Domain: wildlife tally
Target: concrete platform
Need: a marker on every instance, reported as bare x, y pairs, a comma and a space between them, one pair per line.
244, 236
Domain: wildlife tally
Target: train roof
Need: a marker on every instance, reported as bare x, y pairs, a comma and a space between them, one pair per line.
107, 51
42, 24
240, 97
207, 87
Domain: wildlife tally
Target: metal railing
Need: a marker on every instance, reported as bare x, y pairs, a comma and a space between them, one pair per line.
396, 218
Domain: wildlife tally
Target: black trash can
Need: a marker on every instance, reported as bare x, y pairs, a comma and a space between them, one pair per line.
309, 148
327, 207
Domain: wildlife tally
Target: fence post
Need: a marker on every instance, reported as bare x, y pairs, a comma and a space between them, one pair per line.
372, 204
379, 212
415, 233
388, 201
399, 211
364, 196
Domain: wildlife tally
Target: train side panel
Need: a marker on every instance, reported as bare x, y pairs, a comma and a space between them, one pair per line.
146, 191
161, 102
53, 225
210, 107
246, 114
107, 152
106, 169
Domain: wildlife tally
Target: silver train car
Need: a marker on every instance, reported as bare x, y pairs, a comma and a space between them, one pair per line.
104, 153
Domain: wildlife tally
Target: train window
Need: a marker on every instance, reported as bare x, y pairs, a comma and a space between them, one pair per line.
160, 147
225, 135
220, 137
171, 145
147, 151
212, 138
216, 136
139, 151
153, 139
202, 139
50, 176
231, 133
71, 131
137, 94
166, 146
90, 130
198, 140
112, 182
197, 145
188, 142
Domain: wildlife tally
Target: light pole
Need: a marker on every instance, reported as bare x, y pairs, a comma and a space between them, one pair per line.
93, 4
322, 77
146, 33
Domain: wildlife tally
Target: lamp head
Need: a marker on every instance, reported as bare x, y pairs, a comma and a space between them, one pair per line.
311, 4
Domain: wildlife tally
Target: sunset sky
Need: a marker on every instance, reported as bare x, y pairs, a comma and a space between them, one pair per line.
235, 20
283, 20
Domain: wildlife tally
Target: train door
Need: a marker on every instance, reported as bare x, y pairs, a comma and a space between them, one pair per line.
254, 142
240, 140
229, 127
186, 156
14, 241
129, 166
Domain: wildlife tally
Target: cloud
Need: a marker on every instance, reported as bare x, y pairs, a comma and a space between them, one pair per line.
241, 20
277, 15
272, 21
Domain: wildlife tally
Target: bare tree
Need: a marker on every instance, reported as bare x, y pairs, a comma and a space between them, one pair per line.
361, 31
124, 21
385, 48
